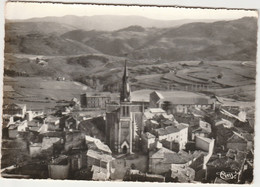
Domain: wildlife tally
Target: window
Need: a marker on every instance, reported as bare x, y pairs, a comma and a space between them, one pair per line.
125, 111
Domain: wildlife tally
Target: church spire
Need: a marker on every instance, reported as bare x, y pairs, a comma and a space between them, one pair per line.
125, 91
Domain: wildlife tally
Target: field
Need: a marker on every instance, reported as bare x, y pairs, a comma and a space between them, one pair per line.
232, 79
229, 79
42, 92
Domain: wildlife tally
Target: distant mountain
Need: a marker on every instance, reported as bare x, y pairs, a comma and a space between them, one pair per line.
40, 44
24, 28
110, 22
221, 40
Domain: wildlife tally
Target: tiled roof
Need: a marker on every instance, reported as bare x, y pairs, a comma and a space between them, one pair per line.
184, 173
224, 162
103, 147
98, 144
13, 126
202, 130
149, 135
51, 119
236, 139
160, 153
171, 129
99, 156
59, 159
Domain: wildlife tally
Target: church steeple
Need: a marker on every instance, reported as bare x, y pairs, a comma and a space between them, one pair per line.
125, 92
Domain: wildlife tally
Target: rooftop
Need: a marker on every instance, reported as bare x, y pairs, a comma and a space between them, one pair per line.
61, 160
184, 97
171, 129
149, 135
99, 156
223, 163
184, 173
14, 106
160, 153
156, 110
141, 96
102, 147
235, 138
51, 119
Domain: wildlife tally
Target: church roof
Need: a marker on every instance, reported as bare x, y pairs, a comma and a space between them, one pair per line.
184, 97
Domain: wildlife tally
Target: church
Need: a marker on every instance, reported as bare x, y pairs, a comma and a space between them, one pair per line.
124, 121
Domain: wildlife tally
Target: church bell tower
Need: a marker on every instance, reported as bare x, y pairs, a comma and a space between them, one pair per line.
125, 90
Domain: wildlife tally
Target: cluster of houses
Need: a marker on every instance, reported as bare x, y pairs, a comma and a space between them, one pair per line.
186, 137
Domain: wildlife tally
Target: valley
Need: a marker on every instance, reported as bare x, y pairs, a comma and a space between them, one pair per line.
208, 57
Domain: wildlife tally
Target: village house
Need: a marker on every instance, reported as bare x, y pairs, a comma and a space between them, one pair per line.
99, 173
97, 145
12, 131
199, 132
179, 101
148, 140
160, 160
100, 160
15, 109
95, 100
178, 132
172, 145
16, 127
35, 149
229, 168
141, 97
182, 173
68, 123
78, 159
46, 147
52, 122
205, 144
136, 175
236, 141
59, 168
204, 130
29, 116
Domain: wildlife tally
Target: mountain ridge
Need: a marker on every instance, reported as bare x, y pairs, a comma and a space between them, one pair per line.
110, 22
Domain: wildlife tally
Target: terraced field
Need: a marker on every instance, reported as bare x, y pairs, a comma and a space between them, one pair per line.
234, 79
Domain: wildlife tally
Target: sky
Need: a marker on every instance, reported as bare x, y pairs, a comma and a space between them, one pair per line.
19, 10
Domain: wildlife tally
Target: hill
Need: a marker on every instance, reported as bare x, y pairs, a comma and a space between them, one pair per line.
44, 44
223, 40
215, 55
26, 27
111, 22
